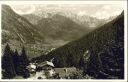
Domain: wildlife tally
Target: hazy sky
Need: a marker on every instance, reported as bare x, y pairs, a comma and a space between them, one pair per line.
96, 10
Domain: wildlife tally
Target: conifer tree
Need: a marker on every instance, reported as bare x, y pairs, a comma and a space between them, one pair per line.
24, 57
24, 62
81, 62
8, 70
16, 61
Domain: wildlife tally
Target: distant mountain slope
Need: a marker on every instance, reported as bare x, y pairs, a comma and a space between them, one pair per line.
59, 27
87, 21
33, 19
105, 46
15, 27
84, 20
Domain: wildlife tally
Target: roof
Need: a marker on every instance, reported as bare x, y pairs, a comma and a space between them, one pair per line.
33, 66
46, 63
65, 71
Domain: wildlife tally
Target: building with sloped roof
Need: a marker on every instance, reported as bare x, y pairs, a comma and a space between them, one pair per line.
47, 67
65, 72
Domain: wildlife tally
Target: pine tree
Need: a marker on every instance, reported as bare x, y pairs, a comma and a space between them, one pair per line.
24, 62
8, 70
81, 63
16, 61
24, 57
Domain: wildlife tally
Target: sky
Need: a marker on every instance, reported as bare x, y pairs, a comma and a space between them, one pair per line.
100, 11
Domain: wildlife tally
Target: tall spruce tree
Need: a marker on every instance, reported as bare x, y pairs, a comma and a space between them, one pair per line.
24, 57
8, 70
81, 62
16, 61
24, 62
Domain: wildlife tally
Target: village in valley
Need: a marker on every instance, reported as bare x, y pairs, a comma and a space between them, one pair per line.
47, 70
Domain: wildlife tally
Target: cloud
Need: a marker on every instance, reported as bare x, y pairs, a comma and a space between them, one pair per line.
23, 9
107, 11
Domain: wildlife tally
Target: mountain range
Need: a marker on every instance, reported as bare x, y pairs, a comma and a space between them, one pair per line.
41, 30
31, 30
85, 20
